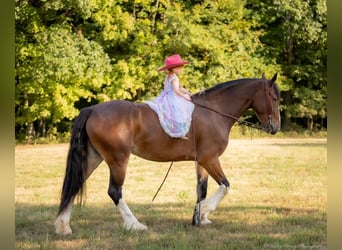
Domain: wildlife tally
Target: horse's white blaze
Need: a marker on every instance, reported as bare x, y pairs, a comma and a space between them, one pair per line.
62, 222
130, 221
210, 204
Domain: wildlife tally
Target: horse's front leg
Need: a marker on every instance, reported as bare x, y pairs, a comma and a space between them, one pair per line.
130, 221
205, 206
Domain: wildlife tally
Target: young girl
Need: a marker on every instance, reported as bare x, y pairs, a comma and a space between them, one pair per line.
173, 106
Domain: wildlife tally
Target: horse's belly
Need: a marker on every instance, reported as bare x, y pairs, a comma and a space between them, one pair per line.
162, 154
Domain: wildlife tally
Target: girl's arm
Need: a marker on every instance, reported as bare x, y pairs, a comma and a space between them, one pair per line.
185, 91
178, 90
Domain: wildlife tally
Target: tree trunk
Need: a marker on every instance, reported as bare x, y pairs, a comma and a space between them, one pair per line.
309, 123
31, 133
287, 95
154, 17
286, 118
42, 128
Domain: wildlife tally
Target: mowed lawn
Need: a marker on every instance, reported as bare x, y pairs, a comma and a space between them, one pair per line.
278, 200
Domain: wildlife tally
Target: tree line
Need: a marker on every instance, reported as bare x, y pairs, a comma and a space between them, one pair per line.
72, 54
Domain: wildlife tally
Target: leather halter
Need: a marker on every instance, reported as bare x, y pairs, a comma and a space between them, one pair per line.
268, 102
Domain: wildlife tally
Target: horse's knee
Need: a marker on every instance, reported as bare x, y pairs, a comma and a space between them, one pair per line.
115, 193
225, 182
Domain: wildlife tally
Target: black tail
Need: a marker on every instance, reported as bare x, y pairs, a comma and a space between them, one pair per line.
76, 161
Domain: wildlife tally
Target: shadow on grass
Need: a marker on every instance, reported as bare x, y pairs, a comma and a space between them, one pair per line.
303, 144
236, 227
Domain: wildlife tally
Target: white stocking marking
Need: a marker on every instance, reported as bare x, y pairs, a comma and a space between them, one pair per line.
210, 204
62, 222
130, 222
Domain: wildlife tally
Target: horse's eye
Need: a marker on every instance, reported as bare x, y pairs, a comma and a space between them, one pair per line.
273, 95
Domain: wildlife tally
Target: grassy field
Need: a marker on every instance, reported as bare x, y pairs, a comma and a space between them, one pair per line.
278, 200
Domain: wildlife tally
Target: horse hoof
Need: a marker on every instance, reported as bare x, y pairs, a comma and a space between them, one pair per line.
62, 228
205, 221
136, 226
139, 226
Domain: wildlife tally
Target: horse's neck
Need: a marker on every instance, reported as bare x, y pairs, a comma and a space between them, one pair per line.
233, 101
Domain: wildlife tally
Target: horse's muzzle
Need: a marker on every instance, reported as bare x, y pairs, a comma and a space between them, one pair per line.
271, 129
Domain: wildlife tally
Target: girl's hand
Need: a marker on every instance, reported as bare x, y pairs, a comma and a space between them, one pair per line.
187, 97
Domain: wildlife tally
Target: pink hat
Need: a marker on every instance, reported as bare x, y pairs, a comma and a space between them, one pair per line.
172, 62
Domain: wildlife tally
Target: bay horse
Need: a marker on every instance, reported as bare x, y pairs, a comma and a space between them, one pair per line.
112, 130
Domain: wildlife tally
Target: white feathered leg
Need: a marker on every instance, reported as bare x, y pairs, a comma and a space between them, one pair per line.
130, 221
208, 205
62, 222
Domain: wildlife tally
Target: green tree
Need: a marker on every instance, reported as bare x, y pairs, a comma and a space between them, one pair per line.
216, 38
55, 67
75, 53
296, 35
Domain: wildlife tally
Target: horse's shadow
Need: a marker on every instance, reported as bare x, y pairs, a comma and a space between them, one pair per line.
35, 222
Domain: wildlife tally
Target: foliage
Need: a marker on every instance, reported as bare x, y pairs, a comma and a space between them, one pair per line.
297, 37
71, 54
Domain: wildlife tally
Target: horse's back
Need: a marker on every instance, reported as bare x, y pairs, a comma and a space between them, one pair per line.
120, 122
130, 127
116, 108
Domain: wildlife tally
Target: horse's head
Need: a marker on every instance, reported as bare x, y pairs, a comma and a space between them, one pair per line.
266, 105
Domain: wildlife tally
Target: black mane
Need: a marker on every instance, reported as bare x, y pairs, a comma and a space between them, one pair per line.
224, 85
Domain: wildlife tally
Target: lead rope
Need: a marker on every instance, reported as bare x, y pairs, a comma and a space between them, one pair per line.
195, 160
239, 121
246, 123
249, 124
167, 173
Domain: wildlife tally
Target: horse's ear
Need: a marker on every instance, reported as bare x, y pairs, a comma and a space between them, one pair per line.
274, 78
263, 76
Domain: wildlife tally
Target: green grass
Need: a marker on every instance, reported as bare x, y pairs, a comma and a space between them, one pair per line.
278, 200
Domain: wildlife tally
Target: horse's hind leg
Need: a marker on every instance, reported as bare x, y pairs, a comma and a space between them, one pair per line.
206, 206
116, 179
62, 223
